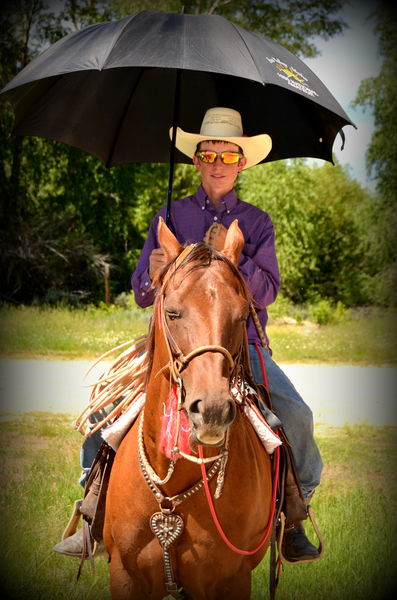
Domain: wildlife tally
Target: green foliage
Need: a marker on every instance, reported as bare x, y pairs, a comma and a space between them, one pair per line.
64, 215
379, 94
314, 211
324, 313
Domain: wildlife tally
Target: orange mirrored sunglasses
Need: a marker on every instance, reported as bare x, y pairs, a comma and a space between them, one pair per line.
210, 156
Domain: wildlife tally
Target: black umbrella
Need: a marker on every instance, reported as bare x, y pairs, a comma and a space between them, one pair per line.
113, 89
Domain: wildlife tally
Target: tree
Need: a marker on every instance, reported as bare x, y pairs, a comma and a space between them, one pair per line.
379, 94
53, 195
314, 211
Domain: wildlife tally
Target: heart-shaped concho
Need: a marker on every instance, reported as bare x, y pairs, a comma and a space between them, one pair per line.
167, 528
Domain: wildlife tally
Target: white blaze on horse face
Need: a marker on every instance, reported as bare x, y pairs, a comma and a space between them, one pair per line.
205, 307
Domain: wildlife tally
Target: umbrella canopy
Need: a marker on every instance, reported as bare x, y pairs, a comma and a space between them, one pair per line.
112, 89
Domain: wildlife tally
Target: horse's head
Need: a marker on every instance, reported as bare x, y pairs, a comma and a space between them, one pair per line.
204, 307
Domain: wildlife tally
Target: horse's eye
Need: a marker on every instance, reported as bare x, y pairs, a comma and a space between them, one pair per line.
173, 314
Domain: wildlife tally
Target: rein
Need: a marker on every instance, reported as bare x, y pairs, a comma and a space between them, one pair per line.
274, 491
166, 520
216, 520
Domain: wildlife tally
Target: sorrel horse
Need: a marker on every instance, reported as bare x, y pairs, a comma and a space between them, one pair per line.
197, 341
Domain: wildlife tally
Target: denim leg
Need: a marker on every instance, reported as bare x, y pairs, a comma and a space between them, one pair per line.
296, 417
88, 452
92, 443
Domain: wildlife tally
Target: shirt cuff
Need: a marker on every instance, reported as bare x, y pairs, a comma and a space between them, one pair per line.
146, 285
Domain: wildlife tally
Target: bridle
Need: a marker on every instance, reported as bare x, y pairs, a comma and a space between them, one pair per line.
166, 520
177, 360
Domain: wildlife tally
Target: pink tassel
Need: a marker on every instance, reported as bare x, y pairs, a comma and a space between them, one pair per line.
168, 428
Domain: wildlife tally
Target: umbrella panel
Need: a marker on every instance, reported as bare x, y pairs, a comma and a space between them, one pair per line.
123, 115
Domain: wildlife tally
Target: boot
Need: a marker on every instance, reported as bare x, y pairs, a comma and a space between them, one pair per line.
296, 546
73, 546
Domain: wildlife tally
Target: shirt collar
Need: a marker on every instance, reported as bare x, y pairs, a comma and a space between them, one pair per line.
229, 200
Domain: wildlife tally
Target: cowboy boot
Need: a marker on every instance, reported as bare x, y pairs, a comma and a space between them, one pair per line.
72, 545
72, 540
296, 546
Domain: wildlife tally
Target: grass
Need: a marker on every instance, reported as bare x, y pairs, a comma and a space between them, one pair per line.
31, 332
66, 333
358, 339
355, 509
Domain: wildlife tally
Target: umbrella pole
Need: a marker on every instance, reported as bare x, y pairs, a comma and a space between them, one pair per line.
175, 119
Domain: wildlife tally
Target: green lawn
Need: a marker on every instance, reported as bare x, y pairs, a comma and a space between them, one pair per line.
364, 337
355, 507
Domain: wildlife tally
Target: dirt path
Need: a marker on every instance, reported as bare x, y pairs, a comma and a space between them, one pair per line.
336, 394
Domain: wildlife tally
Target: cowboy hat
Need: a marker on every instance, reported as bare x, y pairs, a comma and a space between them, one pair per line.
224, 124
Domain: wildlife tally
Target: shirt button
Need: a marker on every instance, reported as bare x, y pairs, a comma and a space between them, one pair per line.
203, 208
143, 293
228, 212
215, 218
146, 283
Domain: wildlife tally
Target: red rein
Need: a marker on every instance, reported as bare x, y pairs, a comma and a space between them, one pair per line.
216, 520
274, 493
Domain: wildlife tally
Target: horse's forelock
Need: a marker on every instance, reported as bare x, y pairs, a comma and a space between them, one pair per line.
202, 255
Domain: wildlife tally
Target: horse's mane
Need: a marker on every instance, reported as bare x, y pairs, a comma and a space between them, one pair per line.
201, 256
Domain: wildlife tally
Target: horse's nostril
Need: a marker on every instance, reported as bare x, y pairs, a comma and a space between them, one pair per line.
195, 407
231, 413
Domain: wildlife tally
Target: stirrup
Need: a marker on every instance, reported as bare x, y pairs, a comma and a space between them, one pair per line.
320, 548
71, 527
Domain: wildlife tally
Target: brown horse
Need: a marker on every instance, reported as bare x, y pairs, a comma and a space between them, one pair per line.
198, 341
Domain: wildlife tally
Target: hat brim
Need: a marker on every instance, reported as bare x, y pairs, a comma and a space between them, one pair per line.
255, 148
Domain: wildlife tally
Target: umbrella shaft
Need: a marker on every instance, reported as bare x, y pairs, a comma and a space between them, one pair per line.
175, 119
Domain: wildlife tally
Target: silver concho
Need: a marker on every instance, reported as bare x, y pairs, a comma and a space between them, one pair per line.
166, 527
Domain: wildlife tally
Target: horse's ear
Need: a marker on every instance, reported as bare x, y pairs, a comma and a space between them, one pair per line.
168, 241
234, 243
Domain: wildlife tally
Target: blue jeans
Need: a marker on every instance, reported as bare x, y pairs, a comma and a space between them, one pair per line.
296, 418
295, 415
88, 452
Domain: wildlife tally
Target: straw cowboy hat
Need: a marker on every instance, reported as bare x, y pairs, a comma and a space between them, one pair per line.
224, 124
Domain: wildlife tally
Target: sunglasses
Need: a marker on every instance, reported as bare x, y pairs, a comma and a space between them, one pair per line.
228, 158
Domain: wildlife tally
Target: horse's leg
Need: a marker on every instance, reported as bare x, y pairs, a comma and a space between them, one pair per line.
235, 587
121, 585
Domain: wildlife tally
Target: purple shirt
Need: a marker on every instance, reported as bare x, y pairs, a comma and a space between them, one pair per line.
190, 219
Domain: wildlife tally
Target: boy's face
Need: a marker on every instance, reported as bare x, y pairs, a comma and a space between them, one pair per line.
218, 177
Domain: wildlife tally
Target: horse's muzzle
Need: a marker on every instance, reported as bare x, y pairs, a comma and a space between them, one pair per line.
209, 420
